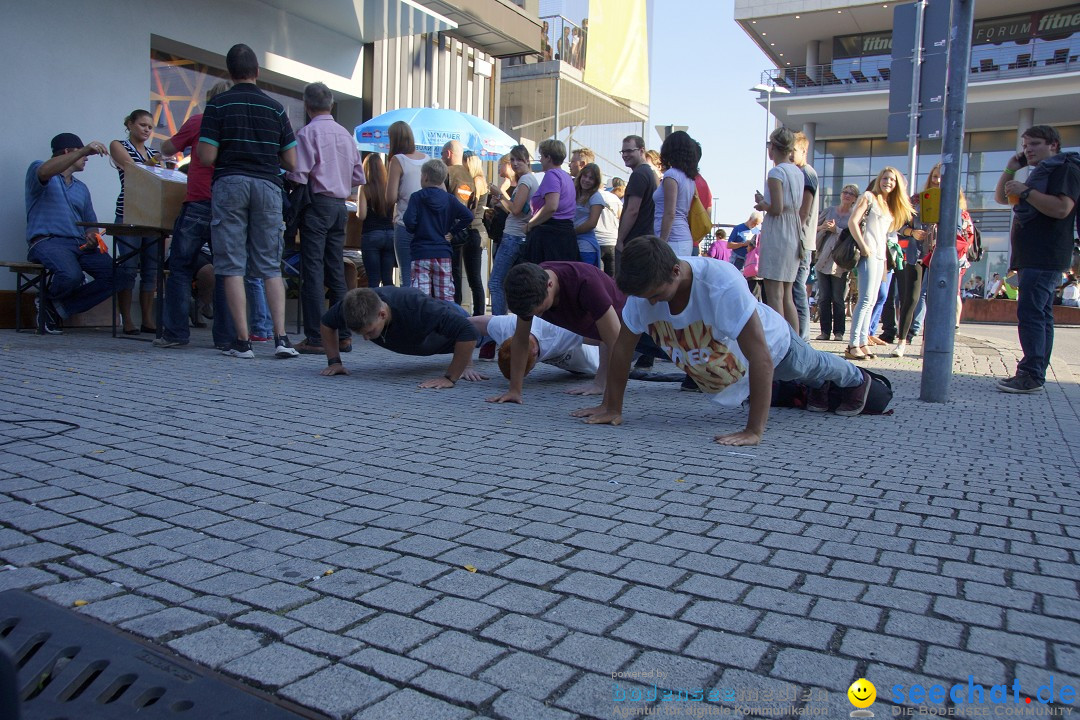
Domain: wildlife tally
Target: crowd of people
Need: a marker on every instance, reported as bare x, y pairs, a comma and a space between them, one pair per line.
595, 279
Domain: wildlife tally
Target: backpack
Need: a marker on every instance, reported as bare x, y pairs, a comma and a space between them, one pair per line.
975, 249
789, 393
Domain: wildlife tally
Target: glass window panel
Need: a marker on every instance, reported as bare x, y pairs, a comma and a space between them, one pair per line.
991, 140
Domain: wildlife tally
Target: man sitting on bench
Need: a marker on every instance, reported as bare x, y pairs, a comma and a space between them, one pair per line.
55, 201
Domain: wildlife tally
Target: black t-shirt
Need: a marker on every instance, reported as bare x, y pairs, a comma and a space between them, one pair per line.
250, 129
642, 184
1043, 242
419, 324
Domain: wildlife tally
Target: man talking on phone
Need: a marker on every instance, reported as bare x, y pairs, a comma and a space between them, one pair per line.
1044, 213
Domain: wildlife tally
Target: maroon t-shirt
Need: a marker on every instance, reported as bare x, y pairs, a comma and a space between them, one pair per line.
585, 294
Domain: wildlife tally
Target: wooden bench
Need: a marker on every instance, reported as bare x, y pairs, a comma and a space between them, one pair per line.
29, 276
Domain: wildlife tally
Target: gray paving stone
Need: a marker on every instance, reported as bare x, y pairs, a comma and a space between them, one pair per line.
721, 616
651, 600
330, 614
524, 632
269, 623
655, 632
217, 645
398, 596
457, 652
347, 584
160, 625
458, 613
455, 688
959, 665
871, 647
24, 578
323, 643
387, 665
124, 607
593, 696
338, 691
589, 585
531, 571
275, 665
515, 706
530, 675
676, 671
585, 616
277, 597
88, 589
592, 653
522, 599
816, 669
597, 562
411, 704
394, 632
727, 648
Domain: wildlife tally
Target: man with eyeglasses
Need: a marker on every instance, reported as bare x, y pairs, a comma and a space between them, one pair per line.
638, 207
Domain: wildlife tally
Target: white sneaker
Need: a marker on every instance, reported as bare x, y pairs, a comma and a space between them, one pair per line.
899, 350
240, 350
283, 348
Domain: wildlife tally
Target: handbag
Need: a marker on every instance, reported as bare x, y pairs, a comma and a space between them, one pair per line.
700, 222
846, 254
894, 257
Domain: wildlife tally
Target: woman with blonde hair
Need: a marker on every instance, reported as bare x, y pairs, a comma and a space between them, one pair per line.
472, 252
516, 205
377, 214
780, 245
886, 208
403, 180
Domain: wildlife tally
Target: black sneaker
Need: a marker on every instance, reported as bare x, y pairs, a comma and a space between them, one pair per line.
817, 399
1021, 384
240, 349
487, 351
689, 385
853, 399
645, 362
283, 347
1006, 381
51, 318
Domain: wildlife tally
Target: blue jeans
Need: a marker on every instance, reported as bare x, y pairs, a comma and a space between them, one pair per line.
590, 257
798, 294
403, 250
920, 308
67, 263
814, 368
378, 253
879, 304
1035, 313
869, 272
145, 261
190, 232
259, 322
509, 250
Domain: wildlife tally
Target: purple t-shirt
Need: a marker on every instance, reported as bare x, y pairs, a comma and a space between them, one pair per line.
557, 180
585, 294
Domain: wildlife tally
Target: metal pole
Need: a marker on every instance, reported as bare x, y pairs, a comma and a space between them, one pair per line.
944, 268
556, 134
916, 72
768, 116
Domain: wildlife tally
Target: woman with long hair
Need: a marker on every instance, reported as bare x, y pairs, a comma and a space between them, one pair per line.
780, 244
887, 208
590, 205
126, 154
403, 179
377, 213
472, 252
916, 238
832, 280
518, 212
679, 156
551, 233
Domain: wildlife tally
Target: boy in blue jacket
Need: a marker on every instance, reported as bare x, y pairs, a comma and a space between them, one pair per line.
432, 214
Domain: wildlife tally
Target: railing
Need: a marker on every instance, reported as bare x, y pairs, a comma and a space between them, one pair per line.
560, 39
988, 62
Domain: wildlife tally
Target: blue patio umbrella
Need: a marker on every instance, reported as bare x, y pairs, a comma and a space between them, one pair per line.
434, 127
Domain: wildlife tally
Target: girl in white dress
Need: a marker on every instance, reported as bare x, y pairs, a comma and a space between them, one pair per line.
780, 245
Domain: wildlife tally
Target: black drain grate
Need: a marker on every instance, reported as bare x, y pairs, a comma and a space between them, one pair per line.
71, 666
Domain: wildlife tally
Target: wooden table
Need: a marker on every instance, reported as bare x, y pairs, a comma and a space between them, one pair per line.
139, 231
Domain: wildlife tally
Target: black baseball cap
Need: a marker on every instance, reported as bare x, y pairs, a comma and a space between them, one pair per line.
65, 141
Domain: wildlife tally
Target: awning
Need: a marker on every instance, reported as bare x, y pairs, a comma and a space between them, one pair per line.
368, 20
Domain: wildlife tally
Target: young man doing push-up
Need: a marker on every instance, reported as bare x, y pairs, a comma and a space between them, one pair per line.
701, 313
406, 321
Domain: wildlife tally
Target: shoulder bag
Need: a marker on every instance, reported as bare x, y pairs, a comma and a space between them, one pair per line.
846, 254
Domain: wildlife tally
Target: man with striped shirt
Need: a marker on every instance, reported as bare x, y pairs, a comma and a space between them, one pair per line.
247, 137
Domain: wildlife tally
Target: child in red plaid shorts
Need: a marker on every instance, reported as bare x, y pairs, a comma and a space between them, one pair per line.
433, 214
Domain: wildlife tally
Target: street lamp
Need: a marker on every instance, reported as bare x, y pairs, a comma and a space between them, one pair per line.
769, 89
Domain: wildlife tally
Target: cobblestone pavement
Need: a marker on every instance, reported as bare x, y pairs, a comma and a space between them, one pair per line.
203, 502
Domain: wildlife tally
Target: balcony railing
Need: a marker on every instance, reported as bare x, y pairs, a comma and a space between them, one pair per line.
560, 39
988, 62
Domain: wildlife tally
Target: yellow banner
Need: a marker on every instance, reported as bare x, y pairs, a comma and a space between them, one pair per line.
617, 61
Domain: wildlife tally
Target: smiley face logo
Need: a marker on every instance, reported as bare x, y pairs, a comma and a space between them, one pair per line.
862, 693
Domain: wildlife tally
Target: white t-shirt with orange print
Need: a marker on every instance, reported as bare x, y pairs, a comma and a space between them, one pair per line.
702, 339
